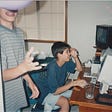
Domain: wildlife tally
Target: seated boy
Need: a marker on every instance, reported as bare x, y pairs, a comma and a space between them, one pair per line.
55, 91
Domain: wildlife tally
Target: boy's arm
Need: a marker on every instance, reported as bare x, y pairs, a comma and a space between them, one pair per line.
32, 86
25, 66
80, 83
74, 54
63, 88
78, 64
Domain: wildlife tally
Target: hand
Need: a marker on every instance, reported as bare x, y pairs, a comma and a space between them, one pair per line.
80, 83
74, 52
34, 89
28, 64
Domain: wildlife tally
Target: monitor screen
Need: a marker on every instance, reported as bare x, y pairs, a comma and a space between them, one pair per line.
105, 73
102, 37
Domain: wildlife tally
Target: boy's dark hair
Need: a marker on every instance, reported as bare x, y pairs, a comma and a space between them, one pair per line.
59, 47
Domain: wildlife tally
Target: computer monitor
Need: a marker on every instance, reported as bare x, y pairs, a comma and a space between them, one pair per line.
103, 36
105, 74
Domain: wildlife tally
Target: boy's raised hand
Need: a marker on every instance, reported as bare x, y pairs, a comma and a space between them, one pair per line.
28, 64
73, 52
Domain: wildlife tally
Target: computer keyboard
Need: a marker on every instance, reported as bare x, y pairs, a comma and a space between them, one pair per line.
93, 80
73, 76
87, 74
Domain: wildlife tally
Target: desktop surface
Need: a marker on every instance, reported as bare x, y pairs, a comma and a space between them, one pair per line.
85, 105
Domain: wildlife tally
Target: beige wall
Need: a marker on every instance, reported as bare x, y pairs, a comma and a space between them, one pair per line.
82, 20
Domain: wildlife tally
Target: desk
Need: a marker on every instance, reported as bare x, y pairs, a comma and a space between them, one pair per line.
85, 105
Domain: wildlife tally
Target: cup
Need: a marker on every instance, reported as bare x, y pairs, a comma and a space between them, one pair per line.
89, 91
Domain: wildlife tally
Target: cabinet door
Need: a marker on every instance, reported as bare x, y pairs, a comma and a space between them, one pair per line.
44, 21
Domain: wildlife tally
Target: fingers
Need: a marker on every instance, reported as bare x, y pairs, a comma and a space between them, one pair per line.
73, 49
33, 96
28, 62
81, 83
35, 66
29, 52
73, 52
35, 93
38, 67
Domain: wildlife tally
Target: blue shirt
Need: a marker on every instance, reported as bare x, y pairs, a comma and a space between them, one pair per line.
55, 78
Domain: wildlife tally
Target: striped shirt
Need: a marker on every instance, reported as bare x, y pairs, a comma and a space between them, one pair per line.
12, 52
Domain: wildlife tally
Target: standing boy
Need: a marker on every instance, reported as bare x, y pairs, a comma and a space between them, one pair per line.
13, 63
54, 89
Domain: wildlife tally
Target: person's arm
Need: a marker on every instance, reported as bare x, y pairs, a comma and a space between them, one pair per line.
74, 54
64, 88
32, 86
25, 66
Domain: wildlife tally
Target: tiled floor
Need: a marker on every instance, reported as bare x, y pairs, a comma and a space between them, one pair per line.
73, 109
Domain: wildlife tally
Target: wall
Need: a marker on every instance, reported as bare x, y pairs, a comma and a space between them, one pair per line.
82, 20
41, 47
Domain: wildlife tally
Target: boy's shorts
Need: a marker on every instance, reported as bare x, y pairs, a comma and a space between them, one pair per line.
51, 100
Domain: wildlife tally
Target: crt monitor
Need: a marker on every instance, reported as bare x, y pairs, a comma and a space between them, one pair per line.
103, 36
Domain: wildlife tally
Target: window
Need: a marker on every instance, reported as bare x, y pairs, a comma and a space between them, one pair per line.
44, 21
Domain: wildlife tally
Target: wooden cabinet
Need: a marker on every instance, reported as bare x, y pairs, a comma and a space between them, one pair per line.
44, 21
